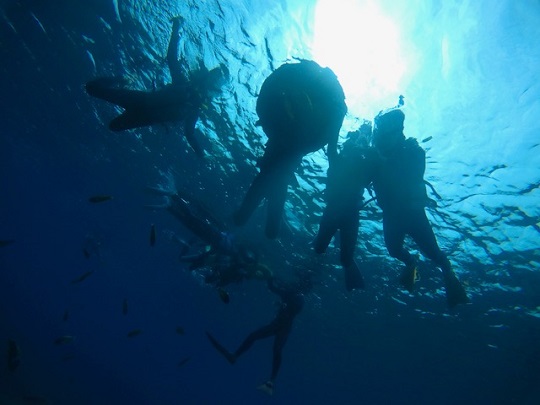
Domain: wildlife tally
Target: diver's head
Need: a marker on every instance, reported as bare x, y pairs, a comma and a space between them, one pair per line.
388, 129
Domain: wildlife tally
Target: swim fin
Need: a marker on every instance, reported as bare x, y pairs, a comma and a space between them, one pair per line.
408, 277
455, 293
353, 277
231, 358
267, 387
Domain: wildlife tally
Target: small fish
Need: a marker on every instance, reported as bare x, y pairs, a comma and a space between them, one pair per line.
13, 355
125, 306
180, 330
183, 361
67, 357
223, 295
66, 316
82, 277
100, 198
134, 332
152, 235
6, 242
86, 253
429, 138
63, 340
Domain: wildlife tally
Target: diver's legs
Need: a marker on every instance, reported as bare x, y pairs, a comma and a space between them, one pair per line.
422, 233
276, 202
394, 237
253, 198
349, 237
327, 229
101, 88
279, 343
262, 333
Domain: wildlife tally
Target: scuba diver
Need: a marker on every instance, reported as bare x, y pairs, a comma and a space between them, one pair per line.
228, 261
401, 194
179, 101
349, 173
301, 107
292, 302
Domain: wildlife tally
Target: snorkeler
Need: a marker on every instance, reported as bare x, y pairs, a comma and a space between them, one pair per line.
179, 101
301, 107
292, 302
401, 194
349, 173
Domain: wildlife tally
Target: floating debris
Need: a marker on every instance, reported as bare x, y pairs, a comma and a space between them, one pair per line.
100, 198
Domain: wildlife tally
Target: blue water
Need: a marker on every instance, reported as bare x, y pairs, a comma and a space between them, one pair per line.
473, 87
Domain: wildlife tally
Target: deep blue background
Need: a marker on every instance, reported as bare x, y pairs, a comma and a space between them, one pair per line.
380, 346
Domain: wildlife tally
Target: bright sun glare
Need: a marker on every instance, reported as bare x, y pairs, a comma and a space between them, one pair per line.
362, 46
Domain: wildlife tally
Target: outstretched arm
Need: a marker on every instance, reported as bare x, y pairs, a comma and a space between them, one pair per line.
175, 67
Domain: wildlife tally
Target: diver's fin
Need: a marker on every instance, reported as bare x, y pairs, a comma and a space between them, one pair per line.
455, 293
267, 387
408, 277
231, 358
353, 277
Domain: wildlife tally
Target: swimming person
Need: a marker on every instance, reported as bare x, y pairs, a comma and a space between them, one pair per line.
401, 194
301, 107
349, 173
292, 302
180, 101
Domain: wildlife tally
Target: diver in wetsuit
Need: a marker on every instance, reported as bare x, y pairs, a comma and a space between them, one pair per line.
179, 101
292, 302
401, 194
349, 173
301, 107
228, 260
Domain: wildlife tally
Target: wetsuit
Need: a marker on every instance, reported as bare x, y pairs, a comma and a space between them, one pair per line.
180, 100
401, 194
348, 175
292, 302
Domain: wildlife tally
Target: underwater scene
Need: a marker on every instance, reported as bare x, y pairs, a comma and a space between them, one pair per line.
255, 202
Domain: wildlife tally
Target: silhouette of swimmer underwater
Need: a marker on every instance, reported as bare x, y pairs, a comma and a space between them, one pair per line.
401, 193
180, 101
301, 107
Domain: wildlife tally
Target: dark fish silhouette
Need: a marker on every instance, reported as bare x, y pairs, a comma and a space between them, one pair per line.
134, 332
100, 198
125, 306
223, 295
183, 361
86, 253
152, 235
6, 242
63, 340
13, 355
66, 315
180, 330
82, 277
